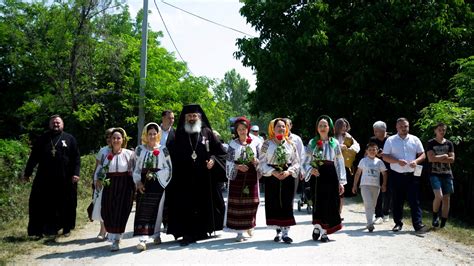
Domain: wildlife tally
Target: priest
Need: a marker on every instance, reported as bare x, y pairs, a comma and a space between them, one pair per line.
53, 198
196, 206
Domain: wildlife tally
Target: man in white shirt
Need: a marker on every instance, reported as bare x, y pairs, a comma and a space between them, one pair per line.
254, 133
299, 148
404, 152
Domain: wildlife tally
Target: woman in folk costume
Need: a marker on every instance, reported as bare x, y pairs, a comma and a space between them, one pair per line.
324, 169
279, 162
349, 147
151, 176
241, 170
115, 176
97, 194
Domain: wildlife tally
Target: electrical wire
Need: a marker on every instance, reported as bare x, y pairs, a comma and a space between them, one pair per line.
208, 20
169, 34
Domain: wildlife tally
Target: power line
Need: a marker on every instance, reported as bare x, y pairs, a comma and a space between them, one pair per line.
169, 34
208, 20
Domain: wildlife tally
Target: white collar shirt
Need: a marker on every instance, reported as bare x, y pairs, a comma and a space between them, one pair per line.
405, 149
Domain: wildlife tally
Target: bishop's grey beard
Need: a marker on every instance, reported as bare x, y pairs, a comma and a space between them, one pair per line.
193, 128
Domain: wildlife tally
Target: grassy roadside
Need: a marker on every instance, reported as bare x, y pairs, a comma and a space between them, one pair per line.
14, 239
454, 230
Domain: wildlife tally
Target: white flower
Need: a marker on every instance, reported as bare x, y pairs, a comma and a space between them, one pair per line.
64, 143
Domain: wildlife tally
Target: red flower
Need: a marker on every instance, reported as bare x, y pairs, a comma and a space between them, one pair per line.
110, 156
279, 136
156, 152
249, 140
320, 143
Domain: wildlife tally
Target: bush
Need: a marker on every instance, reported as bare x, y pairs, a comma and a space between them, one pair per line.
13, 195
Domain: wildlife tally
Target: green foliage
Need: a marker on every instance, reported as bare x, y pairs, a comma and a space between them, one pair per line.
458, 115
13, 157
364, 60
82, 60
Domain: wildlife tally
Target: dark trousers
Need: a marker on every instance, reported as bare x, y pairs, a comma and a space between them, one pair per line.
384, 200
406, 186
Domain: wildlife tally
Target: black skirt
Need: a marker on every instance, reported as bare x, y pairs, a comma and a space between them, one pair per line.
117, 201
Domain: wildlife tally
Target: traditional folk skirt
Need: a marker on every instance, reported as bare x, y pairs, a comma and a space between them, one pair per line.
326, 202
148, 207
279, 196
243, 200
117, 201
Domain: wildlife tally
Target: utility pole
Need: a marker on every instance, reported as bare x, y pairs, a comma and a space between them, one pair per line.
143, 63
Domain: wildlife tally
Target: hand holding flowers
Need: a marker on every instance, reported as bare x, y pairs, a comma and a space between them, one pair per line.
102, 175
150, 164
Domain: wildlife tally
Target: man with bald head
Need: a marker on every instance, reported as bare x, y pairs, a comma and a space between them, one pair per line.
53, 198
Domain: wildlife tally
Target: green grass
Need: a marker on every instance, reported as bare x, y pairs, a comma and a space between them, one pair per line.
14, 238
455, 229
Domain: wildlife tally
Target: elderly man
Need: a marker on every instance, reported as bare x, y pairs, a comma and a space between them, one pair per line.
404, 152
53, 198
382, 209
254, 133
196, 206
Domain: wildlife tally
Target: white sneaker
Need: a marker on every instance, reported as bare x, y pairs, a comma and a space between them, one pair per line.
379, 220
115, 246
141, 246
250, 232
240, 238
386, 218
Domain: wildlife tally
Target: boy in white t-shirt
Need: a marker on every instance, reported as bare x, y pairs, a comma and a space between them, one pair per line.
370, 168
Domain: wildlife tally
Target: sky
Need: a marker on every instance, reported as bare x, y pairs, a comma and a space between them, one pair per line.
206, 48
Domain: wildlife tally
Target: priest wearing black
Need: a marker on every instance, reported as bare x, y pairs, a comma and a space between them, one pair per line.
53, 198
196, 205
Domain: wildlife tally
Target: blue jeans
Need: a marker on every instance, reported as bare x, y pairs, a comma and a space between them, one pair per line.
406, 186
443, 181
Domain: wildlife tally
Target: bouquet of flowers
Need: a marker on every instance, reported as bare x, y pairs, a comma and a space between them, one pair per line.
150, 164
247, 155
280, 154
317, 160
102, 175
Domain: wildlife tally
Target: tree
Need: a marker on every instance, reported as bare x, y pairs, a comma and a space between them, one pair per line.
458, 114
362, 60
78, 59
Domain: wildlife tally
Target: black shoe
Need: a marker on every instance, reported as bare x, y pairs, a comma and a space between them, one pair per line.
186, 241
324, 238
422, 229
287, 239
443, 222
435, 222
316, 234
277, 238
397, 227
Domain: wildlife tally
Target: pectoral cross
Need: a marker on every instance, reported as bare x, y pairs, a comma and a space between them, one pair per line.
53, 151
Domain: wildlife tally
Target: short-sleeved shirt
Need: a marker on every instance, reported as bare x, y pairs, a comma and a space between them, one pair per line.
103, 153
405, 149
440, 149
371, 169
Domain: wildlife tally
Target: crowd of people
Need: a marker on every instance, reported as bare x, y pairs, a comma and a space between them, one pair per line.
176, 175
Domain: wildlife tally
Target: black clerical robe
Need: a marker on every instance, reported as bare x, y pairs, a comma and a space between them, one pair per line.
195, 202
53, 198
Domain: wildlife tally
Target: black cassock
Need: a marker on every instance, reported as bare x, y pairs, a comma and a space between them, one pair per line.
53, 198
195, 203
